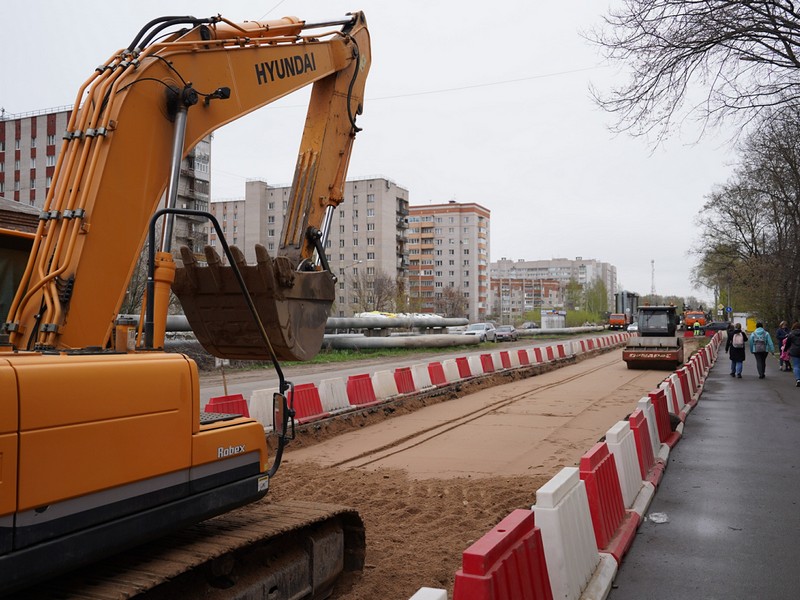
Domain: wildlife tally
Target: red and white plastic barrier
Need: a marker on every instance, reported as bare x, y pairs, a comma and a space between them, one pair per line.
573, 562
384, 385
636, 493
507, 563
614, 526
333, 393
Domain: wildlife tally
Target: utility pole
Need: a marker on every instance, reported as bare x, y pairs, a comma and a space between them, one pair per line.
653, 280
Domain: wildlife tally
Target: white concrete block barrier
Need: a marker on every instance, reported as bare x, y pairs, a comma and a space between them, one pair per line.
422, 378
636, 493
513, 356
384, 385
660, 451
575, 567
333, 394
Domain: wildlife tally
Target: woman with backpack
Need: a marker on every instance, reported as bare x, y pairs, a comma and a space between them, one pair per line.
735, 349
761, 345
793, 344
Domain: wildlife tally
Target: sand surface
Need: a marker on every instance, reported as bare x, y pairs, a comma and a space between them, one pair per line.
430, 482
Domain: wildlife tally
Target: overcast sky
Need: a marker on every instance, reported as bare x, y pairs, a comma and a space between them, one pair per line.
466, 101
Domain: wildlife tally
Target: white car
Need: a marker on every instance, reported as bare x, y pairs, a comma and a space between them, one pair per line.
484, 331
633, 327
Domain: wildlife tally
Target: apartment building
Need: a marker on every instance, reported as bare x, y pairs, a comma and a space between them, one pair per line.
366, 243
448, 251
523, 276
29, 147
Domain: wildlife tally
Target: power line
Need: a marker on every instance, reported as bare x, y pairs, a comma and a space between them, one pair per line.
480, 85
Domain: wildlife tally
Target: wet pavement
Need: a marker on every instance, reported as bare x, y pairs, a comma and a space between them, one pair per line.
730, 495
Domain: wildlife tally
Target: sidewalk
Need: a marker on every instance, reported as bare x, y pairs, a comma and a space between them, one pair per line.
731, 493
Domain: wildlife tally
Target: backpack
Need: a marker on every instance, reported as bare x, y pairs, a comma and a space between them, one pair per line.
738, 340
759, 342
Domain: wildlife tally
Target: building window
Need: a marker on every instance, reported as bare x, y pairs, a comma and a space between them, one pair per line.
355, 227
271, 219
370, 270
50, 160
341, 228
49, 181
271, 233
33, 184
370, 226
370, 212
370, 197
16, 186
355, 198
270, 205
341, 214
370, 256
33, 142
370, 241
16, 165
355, 214
51, 140
271, 246
16, 144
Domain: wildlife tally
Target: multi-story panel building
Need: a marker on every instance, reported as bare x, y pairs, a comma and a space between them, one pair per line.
366, 241
535, 272
29, 147
448, 247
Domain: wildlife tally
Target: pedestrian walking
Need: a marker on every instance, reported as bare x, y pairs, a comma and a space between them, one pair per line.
780, 335
735, 349
793, 345
761, 345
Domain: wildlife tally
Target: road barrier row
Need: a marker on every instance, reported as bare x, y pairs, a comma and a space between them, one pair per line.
357, 392
588, 516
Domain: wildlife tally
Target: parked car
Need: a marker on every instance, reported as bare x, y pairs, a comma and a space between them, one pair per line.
530, 325
484, 331
633, 327
507, 333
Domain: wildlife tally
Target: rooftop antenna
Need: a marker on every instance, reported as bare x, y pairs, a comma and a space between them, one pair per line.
652, 278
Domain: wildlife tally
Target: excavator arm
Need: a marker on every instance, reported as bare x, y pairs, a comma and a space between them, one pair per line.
115, 166
104, 447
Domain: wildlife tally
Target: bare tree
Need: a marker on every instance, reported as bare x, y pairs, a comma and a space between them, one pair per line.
751, 238
451, 303
743, 54
374, 292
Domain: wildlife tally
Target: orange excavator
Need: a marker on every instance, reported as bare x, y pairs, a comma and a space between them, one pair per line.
102, 441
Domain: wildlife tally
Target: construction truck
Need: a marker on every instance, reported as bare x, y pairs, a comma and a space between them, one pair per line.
103, 444
618, 321
656, 346
690, 317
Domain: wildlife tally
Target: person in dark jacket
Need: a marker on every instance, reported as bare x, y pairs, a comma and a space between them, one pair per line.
793, 343
781, 334
735, 348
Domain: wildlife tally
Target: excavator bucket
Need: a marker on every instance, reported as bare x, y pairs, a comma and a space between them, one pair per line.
292, 305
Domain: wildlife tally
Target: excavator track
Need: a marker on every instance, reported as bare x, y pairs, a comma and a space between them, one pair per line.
274, 550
